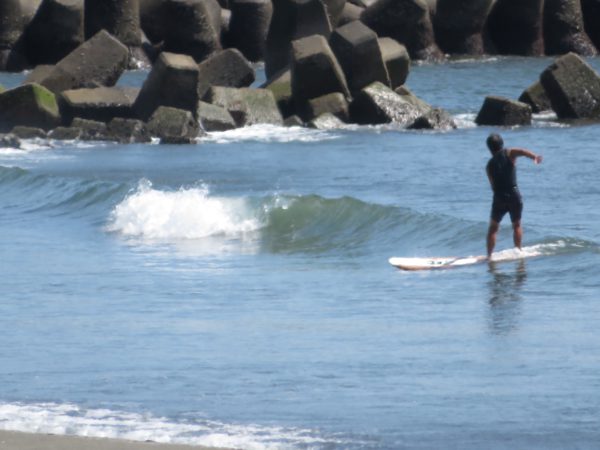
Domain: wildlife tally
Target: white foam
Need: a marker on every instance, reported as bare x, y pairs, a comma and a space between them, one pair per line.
27, 146
184, 214
472, 60
11, 152
33, 149
528, 252
466, 120
545, 115
70, 419
269, 133
549, 120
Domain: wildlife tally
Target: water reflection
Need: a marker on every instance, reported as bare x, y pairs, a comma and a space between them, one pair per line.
505, 296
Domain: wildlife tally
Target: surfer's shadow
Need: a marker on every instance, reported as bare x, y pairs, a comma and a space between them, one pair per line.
505, 296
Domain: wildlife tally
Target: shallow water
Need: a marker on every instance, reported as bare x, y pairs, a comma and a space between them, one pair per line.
237, 292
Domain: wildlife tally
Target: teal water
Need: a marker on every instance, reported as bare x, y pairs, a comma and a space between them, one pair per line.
237, 292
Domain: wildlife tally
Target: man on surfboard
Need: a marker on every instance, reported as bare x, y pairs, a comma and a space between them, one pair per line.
502, 173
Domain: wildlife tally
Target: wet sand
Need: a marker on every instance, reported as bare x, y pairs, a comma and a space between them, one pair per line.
12, 440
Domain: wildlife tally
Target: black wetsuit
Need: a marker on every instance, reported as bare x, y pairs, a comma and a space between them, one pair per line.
507, 198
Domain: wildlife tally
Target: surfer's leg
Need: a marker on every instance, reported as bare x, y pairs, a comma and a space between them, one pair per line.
499, 209
516, 210
491, 237
517, 233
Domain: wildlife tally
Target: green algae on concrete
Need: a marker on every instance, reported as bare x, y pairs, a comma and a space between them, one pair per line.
29, 105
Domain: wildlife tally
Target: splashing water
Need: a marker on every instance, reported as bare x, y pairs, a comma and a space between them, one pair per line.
184, 214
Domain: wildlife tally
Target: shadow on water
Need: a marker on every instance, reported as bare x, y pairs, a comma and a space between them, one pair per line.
505, 297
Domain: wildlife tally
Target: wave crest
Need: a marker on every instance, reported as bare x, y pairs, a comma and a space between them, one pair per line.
183, 214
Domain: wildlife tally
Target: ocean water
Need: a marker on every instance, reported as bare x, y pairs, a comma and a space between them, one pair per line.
237, 292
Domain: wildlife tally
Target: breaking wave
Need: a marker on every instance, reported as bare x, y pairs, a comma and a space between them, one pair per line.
278, 222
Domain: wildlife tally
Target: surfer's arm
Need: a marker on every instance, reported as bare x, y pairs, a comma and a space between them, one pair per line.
489, 174
514, 153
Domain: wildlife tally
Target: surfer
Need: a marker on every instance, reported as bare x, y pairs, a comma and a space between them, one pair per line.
502, 173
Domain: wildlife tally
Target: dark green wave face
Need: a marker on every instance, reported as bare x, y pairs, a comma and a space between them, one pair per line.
316, 224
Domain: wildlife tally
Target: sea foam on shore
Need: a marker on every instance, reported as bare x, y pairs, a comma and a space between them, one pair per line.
15, 440
29, 427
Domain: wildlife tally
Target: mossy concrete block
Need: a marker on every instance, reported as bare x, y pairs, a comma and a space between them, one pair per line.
326, 121
173, 81
292, 20
173, 126
378, 104
39, 73
99, 104
536, 97
91, 130
262, 107
396, 59
573, 87
29, 105
293, 121
411, 98
247, 106
100, 61
350, 13
357, 50
334, 103
28, 132
214, 118
192, 27
435, 119
127, 131
315, 70
65, 133
227, 68
281, 87
500, 111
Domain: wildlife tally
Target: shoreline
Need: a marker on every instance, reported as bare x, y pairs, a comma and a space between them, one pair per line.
17, 440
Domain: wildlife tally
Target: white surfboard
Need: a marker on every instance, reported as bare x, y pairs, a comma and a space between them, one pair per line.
435, 263
429, 263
